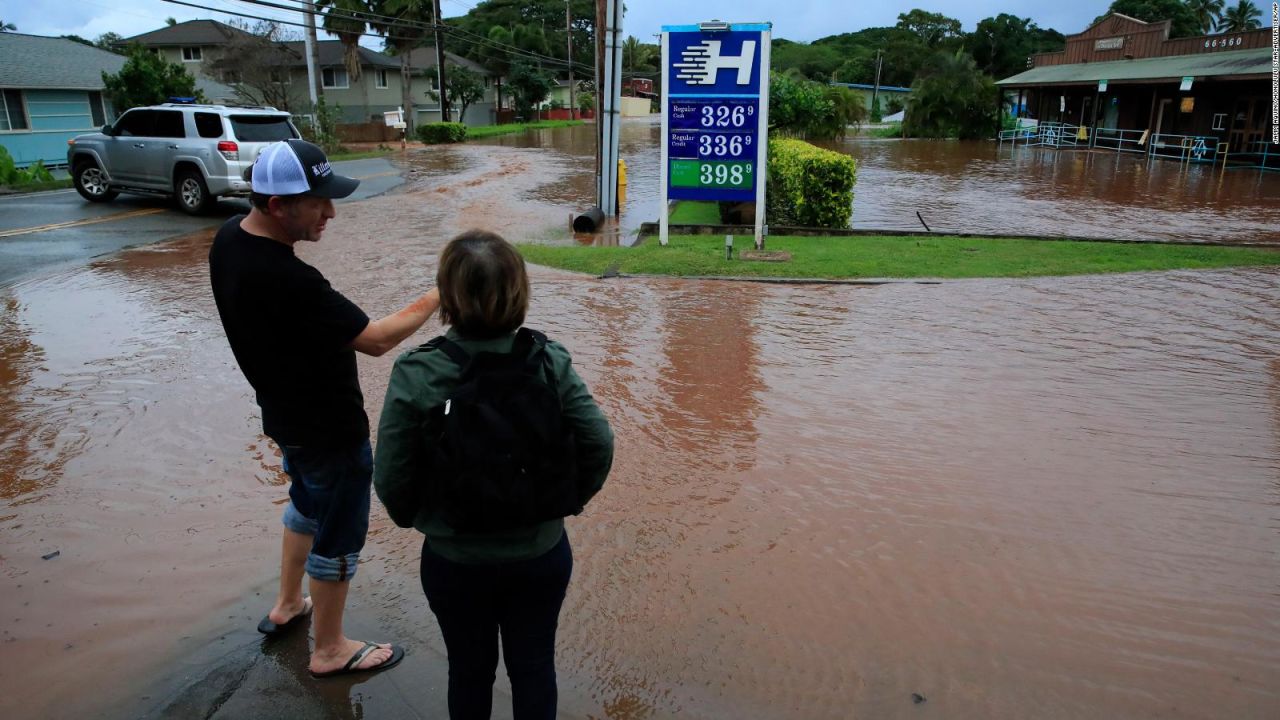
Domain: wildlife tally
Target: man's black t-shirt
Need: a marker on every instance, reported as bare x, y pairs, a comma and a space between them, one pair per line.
291, 334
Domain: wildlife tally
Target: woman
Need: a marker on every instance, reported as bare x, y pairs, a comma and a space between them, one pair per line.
495, 559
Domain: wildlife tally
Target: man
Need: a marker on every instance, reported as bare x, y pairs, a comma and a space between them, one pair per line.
295, 339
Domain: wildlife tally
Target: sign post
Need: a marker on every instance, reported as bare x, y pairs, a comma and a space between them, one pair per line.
715, 116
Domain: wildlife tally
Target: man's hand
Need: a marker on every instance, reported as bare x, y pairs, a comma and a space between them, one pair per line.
382, 336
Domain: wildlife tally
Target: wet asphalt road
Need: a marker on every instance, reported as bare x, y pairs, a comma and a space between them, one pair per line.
46, 232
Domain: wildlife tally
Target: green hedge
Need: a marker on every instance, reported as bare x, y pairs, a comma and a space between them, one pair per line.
442, 132
808, 186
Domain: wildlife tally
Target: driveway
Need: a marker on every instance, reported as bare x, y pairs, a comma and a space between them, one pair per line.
51, 231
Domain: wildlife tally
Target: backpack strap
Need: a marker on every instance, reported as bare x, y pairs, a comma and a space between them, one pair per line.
452, 349
532, 344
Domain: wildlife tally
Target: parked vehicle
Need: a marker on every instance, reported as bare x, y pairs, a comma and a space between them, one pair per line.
195, 153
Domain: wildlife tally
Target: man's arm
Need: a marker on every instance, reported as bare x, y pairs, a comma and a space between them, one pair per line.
381, 336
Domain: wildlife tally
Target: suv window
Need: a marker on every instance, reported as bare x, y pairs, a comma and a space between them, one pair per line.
209, 125
169, 124
261, 128
135, 123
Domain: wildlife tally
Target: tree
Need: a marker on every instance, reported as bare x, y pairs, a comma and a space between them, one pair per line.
1002, 44
107, 41
637, 54
1184, 23
171, 21
404, 25
951, 98
812, 110
465, 87
496, 60
78, 39
7, 27
148, 79
933, 28
1208, 13
257, 66
1244, 15
345, 19
529, 86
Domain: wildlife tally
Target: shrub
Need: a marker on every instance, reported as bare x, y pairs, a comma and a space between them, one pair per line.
951, 98
11, 176
808, 186
442, 132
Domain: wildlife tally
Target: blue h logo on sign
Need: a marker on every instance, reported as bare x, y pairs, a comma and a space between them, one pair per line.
703, 61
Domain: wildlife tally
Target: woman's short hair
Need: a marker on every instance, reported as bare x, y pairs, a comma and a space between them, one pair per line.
484, 289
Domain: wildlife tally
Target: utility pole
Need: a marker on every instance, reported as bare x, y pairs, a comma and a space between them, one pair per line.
608, 92
440, 74
568, 30
876, 92
313, 53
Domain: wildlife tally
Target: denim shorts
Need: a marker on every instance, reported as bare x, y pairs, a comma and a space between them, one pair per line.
329, 500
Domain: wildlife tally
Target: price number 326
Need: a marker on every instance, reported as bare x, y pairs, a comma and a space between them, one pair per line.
726, 115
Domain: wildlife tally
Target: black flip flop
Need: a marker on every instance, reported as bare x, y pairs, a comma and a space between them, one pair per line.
266, 627
397, 654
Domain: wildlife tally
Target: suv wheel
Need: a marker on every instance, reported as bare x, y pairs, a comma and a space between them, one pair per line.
91, 183
192, 193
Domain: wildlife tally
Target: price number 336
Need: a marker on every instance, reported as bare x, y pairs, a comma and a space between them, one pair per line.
723, 145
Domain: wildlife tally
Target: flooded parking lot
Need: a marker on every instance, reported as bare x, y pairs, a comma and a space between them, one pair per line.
1051, 498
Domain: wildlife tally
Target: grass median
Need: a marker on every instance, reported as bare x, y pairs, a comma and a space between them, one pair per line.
871, 256
477, 132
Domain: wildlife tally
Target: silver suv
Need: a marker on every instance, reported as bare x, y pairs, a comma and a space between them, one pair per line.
196, 153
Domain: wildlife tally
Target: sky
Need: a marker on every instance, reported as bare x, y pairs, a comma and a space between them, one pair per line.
799, 20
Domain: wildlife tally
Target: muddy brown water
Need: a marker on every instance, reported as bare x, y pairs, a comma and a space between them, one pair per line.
1051, 498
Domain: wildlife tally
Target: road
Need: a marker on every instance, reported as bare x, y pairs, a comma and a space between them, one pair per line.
51, 231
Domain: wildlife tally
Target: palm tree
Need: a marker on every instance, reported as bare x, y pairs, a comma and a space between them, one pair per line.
403, 38
7, 27
340, 18
636, 53
1244, 15
1208, 13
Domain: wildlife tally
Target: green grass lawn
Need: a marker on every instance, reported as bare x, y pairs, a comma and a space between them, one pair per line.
62, 184
894, 257
695, 213
484, 131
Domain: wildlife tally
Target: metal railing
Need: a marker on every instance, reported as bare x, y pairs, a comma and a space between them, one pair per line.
1184, 148
1134, 141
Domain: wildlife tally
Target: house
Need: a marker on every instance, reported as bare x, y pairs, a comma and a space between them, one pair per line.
886, 95
50, 91
1124, 84
423, 60
202, 45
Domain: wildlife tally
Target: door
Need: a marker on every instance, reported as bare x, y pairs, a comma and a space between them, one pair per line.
167, 136
1243, 133
126, 150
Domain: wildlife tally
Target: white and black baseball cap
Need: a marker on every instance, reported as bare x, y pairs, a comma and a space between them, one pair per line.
296, 167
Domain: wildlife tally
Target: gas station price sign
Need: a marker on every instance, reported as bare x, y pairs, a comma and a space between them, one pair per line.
715, 112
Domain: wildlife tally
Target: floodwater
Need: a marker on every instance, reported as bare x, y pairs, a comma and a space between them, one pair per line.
1050, 498
976, 187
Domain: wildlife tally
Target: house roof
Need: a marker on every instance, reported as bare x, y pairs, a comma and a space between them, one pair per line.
331, 54
33, 61
424, 58
1229, 64
189, 33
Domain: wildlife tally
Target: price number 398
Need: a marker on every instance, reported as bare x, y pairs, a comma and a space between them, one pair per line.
730, 145
724, 173
726, 115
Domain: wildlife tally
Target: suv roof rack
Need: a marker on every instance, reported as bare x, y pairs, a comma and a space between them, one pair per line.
215, 105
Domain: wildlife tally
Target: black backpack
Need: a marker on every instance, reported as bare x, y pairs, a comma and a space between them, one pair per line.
501, 455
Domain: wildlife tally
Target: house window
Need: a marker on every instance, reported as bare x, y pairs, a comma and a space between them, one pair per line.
191, 54
13, 116
231, 77
96, 110
335, 78
1219, 121
380, 79
281, 77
